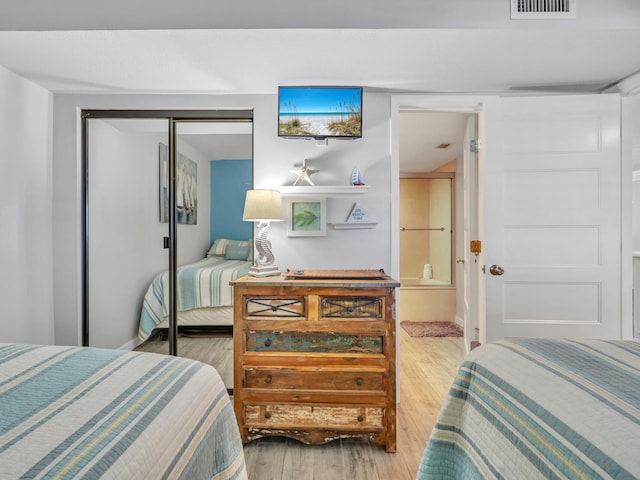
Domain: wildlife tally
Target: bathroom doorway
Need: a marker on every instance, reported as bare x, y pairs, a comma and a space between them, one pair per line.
434, 213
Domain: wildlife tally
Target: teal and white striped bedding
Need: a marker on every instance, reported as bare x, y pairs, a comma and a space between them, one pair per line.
74, 412
541, 409
204, 283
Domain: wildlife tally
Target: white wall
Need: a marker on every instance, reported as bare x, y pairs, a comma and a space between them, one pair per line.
273, 157
634, 103
340, 249
126, 249
635, 165
26, 290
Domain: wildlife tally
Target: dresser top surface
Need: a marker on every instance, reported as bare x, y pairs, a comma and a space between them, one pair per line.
321, 278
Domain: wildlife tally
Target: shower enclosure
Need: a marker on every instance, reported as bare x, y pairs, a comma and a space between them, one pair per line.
427, 278
426, 232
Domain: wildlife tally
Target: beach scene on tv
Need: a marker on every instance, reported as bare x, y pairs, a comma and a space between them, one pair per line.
320, 112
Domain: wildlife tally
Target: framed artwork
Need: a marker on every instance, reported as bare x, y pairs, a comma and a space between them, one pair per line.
186, 188
306, 217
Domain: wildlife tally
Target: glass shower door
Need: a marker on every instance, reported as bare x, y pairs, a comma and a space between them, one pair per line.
426, 232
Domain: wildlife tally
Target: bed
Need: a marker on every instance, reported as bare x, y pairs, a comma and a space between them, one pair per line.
78, 412
538, 408
204, 296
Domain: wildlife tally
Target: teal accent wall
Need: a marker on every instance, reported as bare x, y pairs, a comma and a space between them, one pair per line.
230, 180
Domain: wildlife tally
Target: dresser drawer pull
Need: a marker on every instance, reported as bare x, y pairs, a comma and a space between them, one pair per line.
267, 379
267, 342
359, 382
267, 415
360, 418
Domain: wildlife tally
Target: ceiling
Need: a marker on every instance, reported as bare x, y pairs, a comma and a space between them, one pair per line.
257, 61
428, 140
252, 46
250, 14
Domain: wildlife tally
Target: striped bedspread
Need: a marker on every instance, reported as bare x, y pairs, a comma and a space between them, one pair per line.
204, 283
73, 412
541, 409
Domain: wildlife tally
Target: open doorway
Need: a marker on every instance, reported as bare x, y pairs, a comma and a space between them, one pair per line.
437, 185
425, 361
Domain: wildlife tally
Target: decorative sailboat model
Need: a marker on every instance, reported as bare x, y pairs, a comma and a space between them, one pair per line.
356, 177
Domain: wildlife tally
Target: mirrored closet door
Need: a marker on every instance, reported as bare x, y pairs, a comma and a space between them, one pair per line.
160, 189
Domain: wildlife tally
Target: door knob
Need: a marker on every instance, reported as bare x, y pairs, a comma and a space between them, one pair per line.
496, 270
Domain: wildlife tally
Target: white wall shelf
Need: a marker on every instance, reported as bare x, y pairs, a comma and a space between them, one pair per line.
352, 225
323, 190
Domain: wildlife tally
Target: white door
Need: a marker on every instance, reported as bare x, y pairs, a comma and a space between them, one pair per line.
466, 218
552, 217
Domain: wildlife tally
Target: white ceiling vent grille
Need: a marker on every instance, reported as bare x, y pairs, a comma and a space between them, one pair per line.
543, 9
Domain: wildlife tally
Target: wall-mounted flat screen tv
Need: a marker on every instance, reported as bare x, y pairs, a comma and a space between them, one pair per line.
320, 112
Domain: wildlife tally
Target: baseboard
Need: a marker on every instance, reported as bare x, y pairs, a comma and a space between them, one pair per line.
459, 321
131, 344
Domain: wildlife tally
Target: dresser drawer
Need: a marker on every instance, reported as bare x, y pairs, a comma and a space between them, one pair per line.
316, 379
312, 342
292, 416
275, 307
351, 307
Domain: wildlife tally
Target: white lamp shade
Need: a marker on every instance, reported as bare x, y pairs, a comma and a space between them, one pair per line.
262, 205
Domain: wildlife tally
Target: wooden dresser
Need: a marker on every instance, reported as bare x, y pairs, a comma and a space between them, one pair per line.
315, 358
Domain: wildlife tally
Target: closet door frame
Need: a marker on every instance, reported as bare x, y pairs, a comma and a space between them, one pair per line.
172, 117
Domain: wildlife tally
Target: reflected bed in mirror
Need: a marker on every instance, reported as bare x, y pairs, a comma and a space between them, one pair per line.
204, 294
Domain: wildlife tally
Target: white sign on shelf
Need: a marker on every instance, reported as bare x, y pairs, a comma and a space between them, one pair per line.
357, 214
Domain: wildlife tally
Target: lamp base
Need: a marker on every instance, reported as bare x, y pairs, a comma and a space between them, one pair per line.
264, 271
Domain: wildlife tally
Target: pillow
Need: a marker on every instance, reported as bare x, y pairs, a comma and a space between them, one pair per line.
238, 250
218, 248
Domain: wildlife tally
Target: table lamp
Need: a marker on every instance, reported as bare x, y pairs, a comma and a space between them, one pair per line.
263, 207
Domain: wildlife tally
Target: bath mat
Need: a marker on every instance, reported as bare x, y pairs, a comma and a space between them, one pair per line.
431, 329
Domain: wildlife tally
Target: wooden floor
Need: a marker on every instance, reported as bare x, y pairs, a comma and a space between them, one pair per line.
427, 368
212, 348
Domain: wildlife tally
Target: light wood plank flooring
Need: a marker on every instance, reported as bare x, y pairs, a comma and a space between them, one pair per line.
212, 348
427, 368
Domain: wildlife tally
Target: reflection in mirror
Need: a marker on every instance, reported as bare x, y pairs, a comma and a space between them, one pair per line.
426, 218
214, 169
125, 235
128, 294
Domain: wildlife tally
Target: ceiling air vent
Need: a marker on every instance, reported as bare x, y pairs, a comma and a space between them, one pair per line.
543, 9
